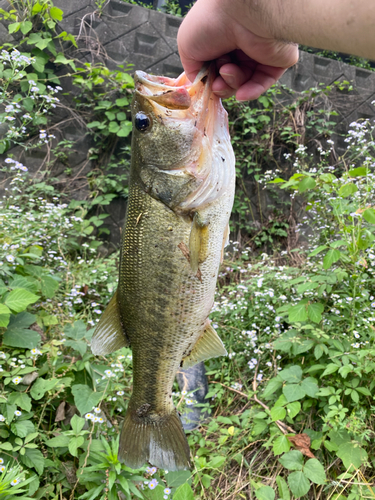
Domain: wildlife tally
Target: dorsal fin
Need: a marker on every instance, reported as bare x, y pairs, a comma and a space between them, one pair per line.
109, 335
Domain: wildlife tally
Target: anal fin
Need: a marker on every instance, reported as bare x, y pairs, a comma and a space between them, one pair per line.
198, 242
209, 345
109, 335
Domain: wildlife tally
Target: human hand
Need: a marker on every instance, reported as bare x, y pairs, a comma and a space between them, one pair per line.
248, 57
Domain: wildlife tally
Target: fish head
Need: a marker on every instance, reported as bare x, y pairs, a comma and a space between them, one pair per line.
180, 132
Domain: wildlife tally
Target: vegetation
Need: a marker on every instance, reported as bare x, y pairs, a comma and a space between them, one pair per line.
291, 415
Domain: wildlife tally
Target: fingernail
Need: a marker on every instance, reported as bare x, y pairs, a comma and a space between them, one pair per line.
227, 77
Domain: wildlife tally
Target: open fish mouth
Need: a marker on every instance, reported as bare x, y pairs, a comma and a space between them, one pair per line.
180, 93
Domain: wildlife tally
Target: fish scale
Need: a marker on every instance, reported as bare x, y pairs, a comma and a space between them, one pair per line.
175, 229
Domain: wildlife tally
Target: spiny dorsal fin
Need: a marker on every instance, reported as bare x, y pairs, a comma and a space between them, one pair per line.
209, 345
109, 334
198, 242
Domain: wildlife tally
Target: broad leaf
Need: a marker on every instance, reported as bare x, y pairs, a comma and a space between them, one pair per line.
351, 454
292, 374
298, 483
265, 493
298, 313
17, 300
369, 215
330, 258
184, 492
33, 458
314, 471
281, 445
293, 392
293, 460
347, 189
84, 398
315, 311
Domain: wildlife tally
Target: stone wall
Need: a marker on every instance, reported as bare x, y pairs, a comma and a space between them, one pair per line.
123, 33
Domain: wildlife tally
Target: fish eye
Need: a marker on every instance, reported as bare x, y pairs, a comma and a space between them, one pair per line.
142, 122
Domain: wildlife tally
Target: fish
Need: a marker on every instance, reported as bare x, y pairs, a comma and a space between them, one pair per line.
181, 191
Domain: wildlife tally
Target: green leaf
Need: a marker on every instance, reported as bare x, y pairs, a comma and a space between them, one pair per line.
17, 300
317, 250
56, 13
281, 445
305, 287
60, 441
123, 101
305, 184
283, 488
4, 320
298, 312
110, 115
292, 374
293, 409
4, 309
293, 392
121, 116
298, 483
330, 258
77, 424
41, 386
33, 458
351, 454
84, 398
14, 27
6, 446
126, 128
22, 428
74, 444
273, 385
315, 311
265, 493
49, 286
310, 386
77, 331
347, 189
314, 471
26, 26
176, 478
30, 284
77, 345
20, 399
184, 492
293, 460
369, 215
17, 334
114, 127
331, 368
278, 413
358, 172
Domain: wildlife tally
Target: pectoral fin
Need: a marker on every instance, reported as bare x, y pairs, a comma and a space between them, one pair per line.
225, 242
109, 333
198, 242
209, 345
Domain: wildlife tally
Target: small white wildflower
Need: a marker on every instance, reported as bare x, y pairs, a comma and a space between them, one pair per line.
18, 413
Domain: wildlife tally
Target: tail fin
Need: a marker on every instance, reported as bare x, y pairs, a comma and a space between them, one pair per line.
161, 443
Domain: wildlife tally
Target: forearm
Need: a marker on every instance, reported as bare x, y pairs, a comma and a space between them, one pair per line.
340, 25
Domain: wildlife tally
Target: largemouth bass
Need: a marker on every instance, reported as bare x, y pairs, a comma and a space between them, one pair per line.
181, 193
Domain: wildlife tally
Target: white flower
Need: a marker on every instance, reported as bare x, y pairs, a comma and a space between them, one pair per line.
1, 460
34, 89
167, 491
189, 402
152, 484
18, 413
120, 393
10, 258
2, 418
17, 380
15, 481
89, 416
97, 410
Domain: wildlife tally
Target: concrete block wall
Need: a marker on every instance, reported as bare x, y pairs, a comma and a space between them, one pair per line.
123, 33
